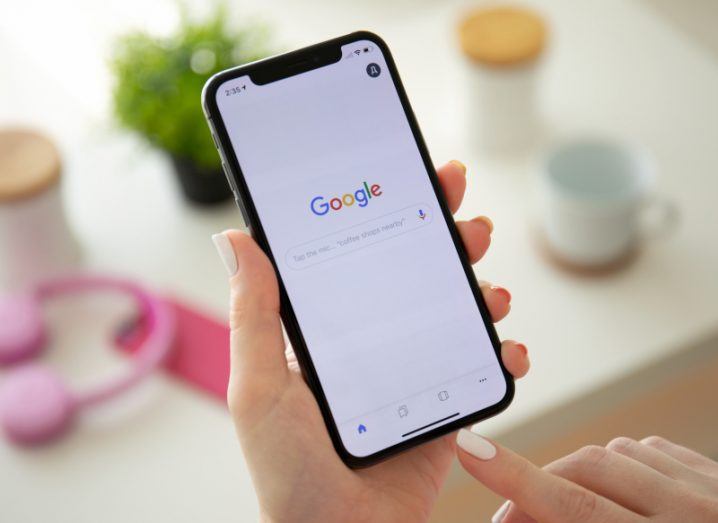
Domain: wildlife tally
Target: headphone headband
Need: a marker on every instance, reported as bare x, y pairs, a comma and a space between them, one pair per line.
35, 405
160, 325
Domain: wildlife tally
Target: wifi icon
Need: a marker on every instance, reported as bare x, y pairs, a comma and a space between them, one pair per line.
357, 52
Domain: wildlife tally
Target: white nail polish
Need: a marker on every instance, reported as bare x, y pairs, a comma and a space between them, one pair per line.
501, 513
226, 252
475, 445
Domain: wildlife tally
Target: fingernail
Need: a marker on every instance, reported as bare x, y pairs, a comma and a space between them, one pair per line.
501, 513
460, 166
226, 252
487, 221
522, 348
471, 442
504, 292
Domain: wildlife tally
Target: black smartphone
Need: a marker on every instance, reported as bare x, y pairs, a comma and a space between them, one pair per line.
332, 176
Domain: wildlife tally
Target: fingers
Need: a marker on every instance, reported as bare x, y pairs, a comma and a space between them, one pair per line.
476, 236
649, 472
538, 493
513, 354
475, 233
515, 358
688, 457
654, 458
498, 300
452, 178
607, 473
257, 361
697, 476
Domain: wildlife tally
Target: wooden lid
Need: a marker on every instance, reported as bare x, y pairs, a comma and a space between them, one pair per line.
29, 164
502, 36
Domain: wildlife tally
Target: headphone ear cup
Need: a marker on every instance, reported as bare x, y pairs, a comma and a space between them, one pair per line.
22, 330
35, 405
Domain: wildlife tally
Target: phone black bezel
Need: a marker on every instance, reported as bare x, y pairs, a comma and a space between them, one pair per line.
289, 64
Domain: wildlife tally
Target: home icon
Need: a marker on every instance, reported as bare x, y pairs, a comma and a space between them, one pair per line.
361, 429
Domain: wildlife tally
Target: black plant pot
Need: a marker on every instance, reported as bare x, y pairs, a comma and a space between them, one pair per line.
199, 184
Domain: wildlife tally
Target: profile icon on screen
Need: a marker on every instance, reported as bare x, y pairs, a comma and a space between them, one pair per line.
373, 70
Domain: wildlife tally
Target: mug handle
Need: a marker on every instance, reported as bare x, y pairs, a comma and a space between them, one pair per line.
659, 218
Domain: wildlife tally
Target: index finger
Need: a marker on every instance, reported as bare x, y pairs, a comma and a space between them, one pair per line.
537, 493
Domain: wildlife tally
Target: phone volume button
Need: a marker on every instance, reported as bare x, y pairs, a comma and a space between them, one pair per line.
238, 201
230, 180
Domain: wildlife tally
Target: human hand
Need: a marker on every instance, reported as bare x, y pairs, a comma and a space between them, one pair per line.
296, 472
625, 482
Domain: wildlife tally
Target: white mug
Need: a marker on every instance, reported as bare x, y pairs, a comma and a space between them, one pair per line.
595, 194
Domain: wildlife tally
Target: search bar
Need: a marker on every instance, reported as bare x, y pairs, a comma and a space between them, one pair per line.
359, 236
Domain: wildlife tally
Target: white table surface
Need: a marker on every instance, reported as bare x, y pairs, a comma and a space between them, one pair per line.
166, 453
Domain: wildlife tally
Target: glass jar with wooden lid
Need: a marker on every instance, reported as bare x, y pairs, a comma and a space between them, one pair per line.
502, 46
35, 239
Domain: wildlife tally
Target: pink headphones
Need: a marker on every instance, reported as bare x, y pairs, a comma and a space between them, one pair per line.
35, 404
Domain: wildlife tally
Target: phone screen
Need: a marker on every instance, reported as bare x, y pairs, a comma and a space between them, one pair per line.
366, 257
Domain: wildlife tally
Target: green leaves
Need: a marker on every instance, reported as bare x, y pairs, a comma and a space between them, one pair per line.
159, 80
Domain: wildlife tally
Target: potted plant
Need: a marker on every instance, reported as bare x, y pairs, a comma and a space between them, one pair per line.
158, 85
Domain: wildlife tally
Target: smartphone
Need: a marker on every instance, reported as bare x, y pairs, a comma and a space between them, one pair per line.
332, 176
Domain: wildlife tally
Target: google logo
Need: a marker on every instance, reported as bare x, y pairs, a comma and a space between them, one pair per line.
321, 206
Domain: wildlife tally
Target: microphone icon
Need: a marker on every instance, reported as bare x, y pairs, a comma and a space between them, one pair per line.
422, 214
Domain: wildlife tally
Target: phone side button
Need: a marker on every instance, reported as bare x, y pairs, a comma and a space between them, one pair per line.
230, 180
241, 210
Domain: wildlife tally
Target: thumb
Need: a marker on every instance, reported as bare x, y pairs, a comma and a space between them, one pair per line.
258, 366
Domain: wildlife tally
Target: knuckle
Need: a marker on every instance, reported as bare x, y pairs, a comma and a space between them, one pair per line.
565, 467
516, 478
246, 304
239, 397
689, 500
591, 456
241, 303
621, 444
239, 306
578, 504
520, 472
250, 398
241, 407
654, 441
584, 461
705, 505
245, 322
234, 402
